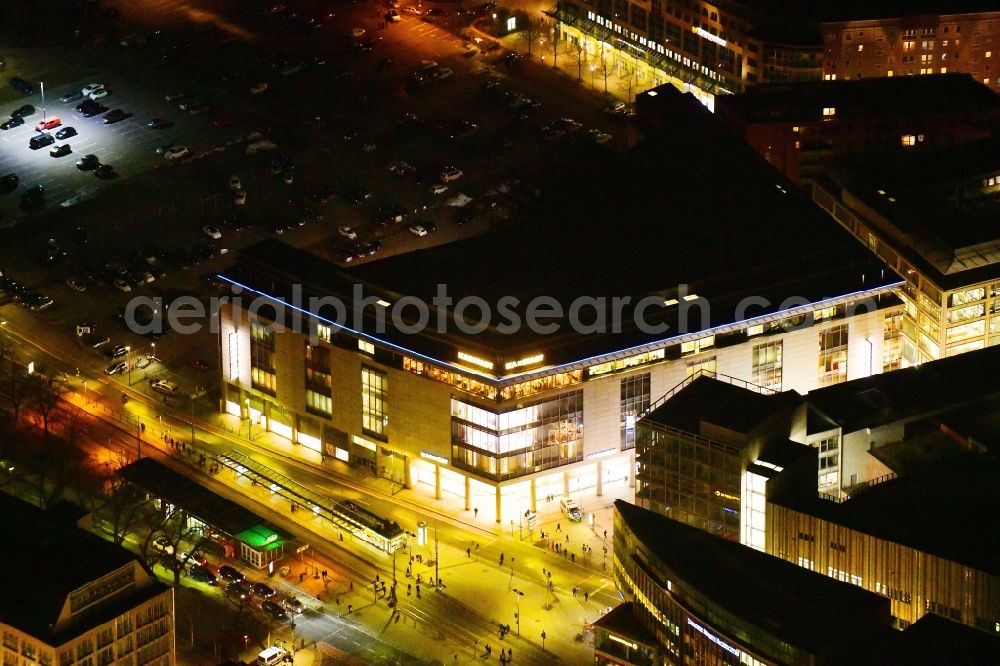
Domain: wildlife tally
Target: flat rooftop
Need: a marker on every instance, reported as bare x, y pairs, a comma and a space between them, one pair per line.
805, 609
941, 217
819, 11
928, 510
193, 497
45, 559
720, 403
694, 206
873, 401
894, 97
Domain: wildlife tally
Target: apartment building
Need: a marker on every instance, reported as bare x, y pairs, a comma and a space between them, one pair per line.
77, 600
800, 127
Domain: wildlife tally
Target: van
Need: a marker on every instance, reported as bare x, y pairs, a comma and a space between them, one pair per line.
163, 386
569, 508
272, 656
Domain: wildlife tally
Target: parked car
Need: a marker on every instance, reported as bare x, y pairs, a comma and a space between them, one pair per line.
258, 88
76, 284
71, 96
347, 232
88, 163
90, 88
65, 133
202, 574
60, 151
116, 116
95, 110
41, 140
262, 590
100, 93
273, 610
47, 124
231, 574
22, 111
449, 174
158, 123
293, 605
12, 122
175, 152
211, 231
162, 544
393, 16
105, 171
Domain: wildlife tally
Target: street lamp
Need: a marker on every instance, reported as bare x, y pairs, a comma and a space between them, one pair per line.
128, 358
152, 354
517, 615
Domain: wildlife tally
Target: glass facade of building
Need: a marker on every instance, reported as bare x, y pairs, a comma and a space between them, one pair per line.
374, 416
689, 478
634, 401
517, 441
262, 373
833, 355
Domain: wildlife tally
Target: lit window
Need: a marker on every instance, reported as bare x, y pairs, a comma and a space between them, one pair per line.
986, 81
988, 54
829, 111
366, 346
909, 140
889, 73
795, 129
798, 145
944, 70
861, 47
324, 333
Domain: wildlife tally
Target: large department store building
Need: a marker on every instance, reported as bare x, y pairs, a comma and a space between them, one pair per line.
500, 419
720, 48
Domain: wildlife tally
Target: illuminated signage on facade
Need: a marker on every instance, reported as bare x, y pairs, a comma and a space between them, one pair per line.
475, 360
431, 456
719, 493
701, 32
715, 639
520, 363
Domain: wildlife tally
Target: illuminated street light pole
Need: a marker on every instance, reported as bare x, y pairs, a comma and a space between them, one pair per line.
42, 86
517, 615
128, 358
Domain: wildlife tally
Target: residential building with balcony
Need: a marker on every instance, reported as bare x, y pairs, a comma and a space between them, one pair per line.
77, 600
800, 127
934, 218
740, 274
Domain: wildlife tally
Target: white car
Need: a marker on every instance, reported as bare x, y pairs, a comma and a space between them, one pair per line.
90, 88
212, 231
357, 32
258, 88
175, 152
449, 174
100, 93
235, 183
439, 189
122, 285
418, 230
347, 232
174, 96
393, 16
240, 197
410, 9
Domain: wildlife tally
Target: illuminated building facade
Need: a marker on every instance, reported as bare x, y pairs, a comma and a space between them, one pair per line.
932, 218
799, 127
922, 42
719, 48
869, 481
693, 598
88, 601
500, 419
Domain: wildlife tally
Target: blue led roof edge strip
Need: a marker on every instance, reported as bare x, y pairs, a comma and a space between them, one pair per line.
506, 380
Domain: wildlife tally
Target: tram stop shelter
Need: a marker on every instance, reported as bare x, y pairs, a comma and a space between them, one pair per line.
217, 518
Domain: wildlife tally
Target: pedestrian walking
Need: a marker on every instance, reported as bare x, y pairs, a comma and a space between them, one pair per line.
572, 557
475, 512
586, 596
567, 538
409, 589
510, 654
605, 535
574, 590
501, 559
351, 582
349, 608
558, 527
468, 553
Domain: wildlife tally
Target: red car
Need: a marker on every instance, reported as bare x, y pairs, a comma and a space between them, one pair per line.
48, 124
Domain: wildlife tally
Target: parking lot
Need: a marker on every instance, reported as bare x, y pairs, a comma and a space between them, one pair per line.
361, 123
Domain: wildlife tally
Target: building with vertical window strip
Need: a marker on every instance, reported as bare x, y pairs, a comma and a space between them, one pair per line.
693, 598
934, 218
499, 418
870, 481
77, 600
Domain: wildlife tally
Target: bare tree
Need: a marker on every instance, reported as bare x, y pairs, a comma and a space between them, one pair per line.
578, 49
529, 31
177, 531
120, 508
631, 78
46, 394
605, 64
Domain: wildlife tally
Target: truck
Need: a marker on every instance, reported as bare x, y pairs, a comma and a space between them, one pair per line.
569, 508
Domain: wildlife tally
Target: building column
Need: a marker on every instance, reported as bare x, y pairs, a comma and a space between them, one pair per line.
406, 472
566, 484
498, 503
532, 486
437, 482
468, 493
630, 475
600, 478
